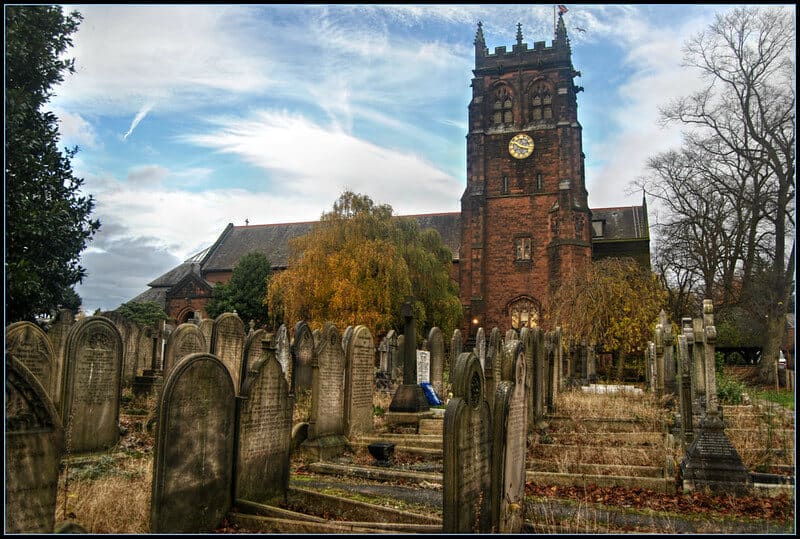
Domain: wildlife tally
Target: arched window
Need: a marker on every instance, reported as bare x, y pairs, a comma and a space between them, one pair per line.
541, 103
502, 113
524, 314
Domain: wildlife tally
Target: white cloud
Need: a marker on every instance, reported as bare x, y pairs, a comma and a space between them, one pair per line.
75, 130
147, 107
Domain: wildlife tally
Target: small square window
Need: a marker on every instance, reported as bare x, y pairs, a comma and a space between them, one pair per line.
522, 248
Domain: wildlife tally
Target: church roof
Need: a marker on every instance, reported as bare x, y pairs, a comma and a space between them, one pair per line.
623, 223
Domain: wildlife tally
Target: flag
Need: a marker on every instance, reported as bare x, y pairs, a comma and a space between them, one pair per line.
562, 9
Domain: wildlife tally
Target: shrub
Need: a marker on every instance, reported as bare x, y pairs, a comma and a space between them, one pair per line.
729, 390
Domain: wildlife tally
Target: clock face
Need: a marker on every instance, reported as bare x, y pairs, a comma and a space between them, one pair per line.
521, 146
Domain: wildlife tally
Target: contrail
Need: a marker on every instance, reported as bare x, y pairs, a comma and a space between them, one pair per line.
139, 117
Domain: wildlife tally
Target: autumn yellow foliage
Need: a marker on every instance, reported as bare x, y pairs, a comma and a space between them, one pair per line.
358, 265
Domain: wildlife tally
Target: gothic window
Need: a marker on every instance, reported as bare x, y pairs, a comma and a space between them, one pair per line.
502, 113
524, 314
541, 103
522, 248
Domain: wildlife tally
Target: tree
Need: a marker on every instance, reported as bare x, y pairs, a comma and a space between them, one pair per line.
740, 135
47, 216
245, 291
613, 303
358, 265
146, 313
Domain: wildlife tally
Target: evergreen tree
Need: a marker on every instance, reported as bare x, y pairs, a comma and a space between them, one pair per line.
47, 216
245, 292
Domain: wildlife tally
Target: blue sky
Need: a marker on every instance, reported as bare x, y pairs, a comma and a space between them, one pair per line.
192, 117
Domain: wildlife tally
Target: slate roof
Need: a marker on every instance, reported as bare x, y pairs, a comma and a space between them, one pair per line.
624, 223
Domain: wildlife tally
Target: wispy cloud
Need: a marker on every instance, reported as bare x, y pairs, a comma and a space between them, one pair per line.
138, 118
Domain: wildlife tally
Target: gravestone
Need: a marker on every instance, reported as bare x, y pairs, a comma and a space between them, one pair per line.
526, 338
30, 346
658, 342
129, 332
393, 356
206, 326
467, 445
227, 343
326, 424
302, 358
698, 365
187, 339
510, 421
436, 348
551, 372
670, 377
253, 349
511, 335
492, 366
398, 370
686, 418
712, 462
194, 448
145, 348
456, 347
265, 428
92, 385
346, 336
317, 335
34, 444
480, 347
359, 385
284, 353
423, 366
409, 403
57, 335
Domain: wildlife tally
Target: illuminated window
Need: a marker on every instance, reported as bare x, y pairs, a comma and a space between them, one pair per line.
524, 314
522, 248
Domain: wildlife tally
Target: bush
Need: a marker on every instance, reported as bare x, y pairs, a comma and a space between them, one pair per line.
729, 390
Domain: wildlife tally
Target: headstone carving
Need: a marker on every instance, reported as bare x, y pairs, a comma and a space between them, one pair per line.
359, 382
194, 448
92, 385
31, 347
227, 343
34, 444
467, 485
58, 340
187, 339
510, 420
436, 347
302, 357
265, 428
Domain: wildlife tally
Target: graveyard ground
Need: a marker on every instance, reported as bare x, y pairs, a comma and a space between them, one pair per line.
110, 492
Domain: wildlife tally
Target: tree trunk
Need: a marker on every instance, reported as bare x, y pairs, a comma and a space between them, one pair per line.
620, 366
772, 345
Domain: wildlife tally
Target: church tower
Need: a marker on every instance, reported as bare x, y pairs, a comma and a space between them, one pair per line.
525, 221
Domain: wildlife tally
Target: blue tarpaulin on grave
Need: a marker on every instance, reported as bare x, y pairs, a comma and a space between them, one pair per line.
430, 394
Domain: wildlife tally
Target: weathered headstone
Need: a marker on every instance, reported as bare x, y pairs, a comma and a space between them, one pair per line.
698, 364
129, 332
194, 448
685, 390
436, 348
265, 428
398, 369
58, 340
510, 422
423, 366
145, 348
393, 356
326, 423
302, 358
456, 346
359, 382
492, 366
206, 326
480, 347
187, 339
31, 347
670, 384
346, 336
227, 343
284, 353
92, 385
34, 444
467, 484
317, 335
658, 342
511, 335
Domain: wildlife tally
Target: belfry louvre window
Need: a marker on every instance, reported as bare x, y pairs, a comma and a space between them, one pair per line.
502, 107
522, 248
541, 104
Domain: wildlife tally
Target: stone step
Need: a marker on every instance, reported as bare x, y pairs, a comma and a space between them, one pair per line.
597, 424
598, 454
431, 441
609, 439
427, 452
594, 469
433, 427
375, 472
666, 486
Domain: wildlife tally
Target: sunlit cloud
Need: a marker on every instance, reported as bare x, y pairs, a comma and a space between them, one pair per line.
139, 117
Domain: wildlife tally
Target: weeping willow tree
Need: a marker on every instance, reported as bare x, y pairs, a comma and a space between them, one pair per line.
358, 265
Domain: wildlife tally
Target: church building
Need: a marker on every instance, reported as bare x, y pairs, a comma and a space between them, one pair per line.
524, 222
